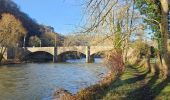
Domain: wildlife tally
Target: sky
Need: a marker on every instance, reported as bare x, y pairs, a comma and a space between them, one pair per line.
63, 15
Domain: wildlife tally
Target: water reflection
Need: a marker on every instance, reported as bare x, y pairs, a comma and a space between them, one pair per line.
83, 60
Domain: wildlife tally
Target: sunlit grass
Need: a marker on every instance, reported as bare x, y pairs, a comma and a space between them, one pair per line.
136, 83
131, 86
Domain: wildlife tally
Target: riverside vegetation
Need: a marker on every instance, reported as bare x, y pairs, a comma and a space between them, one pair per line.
122, 23
136, 83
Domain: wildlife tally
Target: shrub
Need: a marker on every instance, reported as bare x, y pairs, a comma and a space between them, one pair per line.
114, 60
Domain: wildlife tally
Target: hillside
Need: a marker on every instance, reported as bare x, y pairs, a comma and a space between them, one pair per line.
32, 27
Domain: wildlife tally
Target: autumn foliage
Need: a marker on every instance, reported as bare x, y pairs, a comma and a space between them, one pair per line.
114, 60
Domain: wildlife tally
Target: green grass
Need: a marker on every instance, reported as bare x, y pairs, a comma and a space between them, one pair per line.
136, 83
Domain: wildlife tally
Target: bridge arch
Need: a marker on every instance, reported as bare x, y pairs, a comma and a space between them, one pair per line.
57, 51
38, 56
62, 57
81, 49
49, 50
98, 54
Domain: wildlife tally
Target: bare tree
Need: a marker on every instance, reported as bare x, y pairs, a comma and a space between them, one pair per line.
11, 30
116, 20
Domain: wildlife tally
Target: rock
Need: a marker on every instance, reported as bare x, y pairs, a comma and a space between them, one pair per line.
62, 94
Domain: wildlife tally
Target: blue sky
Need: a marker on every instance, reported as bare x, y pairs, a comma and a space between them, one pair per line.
63, 15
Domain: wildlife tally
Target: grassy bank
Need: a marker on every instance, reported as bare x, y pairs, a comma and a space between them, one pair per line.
135, 84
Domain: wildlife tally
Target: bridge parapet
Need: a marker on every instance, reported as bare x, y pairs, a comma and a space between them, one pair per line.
37, 49
81, 49
97, 49
56, 51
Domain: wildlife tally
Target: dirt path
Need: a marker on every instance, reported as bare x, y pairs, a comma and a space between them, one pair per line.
138, 84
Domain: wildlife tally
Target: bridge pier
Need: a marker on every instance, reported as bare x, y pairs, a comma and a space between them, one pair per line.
58, 51
92, 60
55, 58
87, 54
89, 59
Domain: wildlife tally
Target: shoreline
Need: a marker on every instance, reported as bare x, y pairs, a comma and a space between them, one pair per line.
86, 93
10, 62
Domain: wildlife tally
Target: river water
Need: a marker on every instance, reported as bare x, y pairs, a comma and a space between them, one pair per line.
38, 81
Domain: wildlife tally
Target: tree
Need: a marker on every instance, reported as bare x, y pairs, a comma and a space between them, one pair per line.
48, 39
156, 16
11, 30
76, 40
49, 36
34, 41
32, 27
117, 20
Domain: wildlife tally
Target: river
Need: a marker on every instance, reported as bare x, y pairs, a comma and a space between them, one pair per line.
38, 81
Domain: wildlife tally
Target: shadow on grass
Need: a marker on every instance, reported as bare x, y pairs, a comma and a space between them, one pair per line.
97, 92
158, 88
130, 80
138, 76
146, 92
118, 83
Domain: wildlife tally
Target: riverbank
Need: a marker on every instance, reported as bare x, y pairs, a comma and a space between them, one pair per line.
9, 62
135, 84
38, 81
93, 92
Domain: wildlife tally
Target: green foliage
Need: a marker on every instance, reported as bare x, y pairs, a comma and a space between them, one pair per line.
151, 9
34, 41
49, 37
46, 41
141, 49
117, 40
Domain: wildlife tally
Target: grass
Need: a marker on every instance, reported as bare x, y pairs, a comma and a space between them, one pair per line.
138, 84
135, 84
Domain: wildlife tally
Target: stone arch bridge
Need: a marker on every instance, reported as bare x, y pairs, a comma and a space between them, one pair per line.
56, 51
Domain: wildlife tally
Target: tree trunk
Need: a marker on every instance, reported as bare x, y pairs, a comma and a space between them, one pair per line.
1, 57
3, 50
164, 33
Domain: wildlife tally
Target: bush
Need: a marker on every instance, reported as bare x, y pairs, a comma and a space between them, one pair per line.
114, 60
